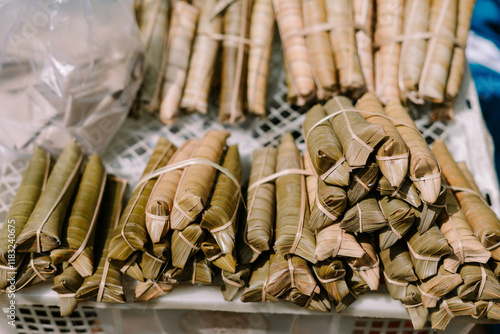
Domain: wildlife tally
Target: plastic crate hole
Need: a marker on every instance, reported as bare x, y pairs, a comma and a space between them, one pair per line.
360, 323
24, 310
438, 131
265, 127
296, 134
140, 150
375, 332
45, 321
19, 326
407, 332
285, 113
60, 323
391, 332
487, 198
275, 120
90, 314
394, 324
33, 328
29, 320
77, 322
41, 313
408, 324
75, 314
377, 324
80, 330
424, 332
64, 330
357, 331
49, 329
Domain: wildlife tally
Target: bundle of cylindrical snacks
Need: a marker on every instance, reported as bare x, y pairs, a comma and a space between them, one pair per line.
367, 199
403, 51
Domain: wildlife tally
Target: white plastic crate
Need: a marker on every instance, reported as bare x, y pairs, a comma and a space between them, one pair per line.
127, 155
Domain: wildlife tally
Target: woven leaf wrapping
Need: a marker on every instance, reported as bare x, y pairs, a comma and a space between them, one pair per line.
151, 289
424, 169
234, 23
366, 267
203, 59
295, 54
325, 149
233, 282
363, 181
406, 192
197, 180
458, 61
318, 44
131, 233
363, 17
438, 286
400, 218
388, 27
489, 310
256, 290
357, 136
35, 268
105, 282
161, 200
412, 302
430, 212
331, 274
343, 42
364, 216
290, 272
66, 284
34, 180
42, 232
155, 258
198, 270
185, 243
426, 250
397, 263
332, 241
416, 20
261, 201
78, 236
220, 217
292, 207
479, 283
214, 254
450, 308
466, 247
435, 71
261, 34
481, 218
392, 155
328, 206
181, 35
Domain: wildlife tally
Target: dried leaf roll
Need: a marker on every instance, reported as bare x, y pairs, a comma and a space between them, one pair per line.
220, 216
261, 201
324, 148
33, 182
105, 283
78, 237
197, 180
42, 231
131, 233
161, 200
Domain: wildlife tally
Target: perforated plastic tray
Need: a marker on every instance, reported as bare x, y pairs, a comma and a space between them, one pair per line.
127, 154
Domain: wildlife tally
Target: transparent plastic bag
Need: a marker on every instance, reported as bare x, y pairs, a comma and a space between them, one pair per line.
67, 69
